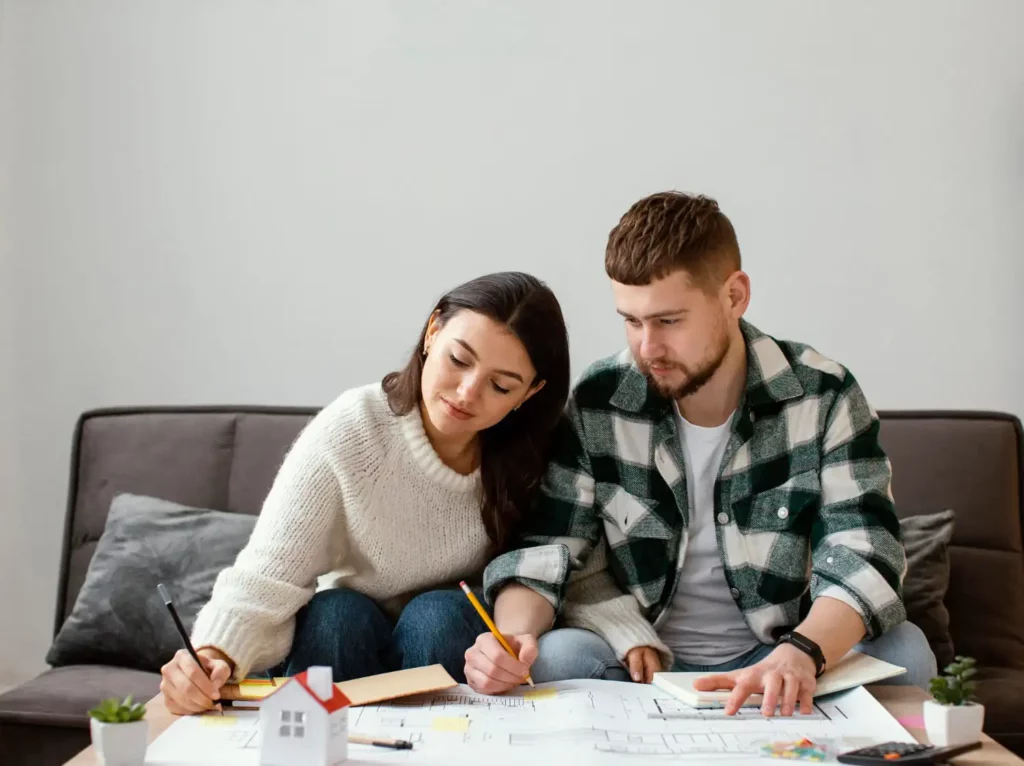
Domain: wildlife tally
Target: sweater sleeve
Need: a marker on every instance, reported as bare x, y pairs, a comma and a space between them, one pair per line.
251, 613
596, 603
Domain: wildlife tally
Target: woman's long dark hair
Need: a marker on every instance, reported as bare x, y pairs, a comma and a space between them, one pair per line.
513, 452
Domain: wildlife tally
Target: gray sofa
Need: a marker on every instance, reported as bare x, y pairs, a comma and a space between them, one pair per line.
226, 459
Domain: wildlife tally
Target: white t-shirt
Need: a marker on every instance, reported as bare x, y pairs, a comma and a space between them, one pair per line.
704, 625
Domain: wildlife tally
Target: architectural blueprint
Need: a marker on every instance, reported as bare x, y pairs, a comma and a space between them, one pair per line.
589, 721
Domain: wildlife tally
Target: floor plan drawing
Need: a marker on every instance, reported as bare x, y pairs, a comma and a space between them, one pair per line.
600, 721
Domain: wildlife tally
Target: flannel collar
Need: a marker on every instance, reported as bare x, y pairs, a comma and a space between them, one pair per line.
771, 379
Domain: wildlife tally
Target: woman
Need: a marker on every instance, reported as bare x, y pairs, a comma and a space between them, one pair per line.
391, 495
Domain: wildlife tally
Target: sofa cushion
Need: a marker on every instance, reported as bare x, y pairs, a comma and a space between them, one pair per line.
970, 462
63, 696
201, 457
984, 618
119, 618
25, 744
926, 539
1001, 691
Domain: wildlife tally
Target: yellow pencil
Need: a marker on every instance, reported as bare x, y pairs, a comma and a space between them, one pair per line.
490, 623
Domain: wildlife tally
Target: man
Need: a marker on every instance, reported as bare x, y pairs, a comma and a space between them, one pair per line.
717, 499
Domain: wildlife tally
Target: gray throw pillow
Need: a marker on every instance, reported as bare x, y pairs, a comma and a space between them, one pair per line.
119, 618
926, 540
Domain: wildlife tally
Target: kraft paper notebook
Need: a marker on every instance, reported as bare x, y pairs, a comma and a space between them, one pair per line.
855, 669
361, 691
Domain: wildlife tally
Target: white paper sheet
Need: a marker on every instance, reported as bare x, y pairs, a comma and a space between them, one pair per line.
598, 721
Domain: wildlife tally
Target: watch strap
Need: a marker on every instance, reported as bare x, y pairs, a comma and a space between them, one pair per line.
810, 648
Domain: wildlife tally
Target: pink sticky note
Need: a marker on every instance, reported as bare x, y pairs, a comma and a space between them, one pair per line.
912, 721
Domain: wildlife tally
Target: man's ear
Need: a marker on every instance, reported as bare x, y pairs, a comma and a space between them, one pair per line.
737, 294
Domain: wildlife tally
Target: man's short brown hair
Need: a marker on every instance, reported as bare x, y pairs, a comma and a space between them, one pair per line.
669, 231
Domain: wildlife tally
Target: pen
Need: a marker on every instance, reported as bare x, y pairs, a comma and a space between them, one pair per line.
356, 739
396, 744
181, 629
490, 623
238, 705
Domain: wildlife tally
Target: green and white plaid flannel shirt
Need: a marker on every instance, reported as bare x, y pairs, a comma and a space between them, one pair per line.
803, 502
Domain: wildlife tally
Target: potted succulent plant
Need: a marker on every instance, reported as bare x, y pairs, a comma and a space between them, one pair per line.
119, 732
954, 717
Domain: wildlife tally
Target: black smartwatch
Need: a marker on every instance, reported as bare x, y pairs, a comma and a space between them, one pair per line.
808, 647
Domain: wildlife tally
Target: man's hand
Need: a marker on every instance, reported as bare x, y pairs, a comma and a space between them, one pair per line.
643, 662
492, 670
786, 675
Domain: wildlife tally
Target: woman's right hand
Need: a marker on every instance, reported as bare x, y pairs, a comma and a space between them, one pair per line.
185, 686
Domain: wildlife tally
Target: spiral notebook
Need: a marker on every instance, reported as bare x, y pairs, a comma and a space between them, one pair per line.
855, 669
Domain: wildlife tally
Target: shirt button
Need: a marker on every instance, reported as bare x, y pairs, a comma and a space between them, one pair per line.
735, 592
829, 560
783, 513
723, 518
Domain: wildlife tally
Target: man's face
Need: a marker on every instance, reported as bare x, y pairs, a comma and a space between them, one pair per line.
678, 334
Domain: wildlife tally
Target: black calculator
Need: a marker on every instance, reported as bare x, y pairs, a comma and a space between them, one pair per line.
904, 753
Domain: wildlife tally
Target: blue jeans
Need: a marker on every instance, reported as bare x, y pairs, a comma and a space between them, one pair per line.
349, 632
568, 653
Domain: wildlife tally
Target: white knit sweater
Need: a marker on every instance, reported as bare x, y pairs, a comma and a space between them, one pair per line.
362, 501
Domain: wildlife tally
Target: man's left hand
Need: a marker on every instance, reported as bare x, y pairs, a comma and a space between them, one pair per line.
785, 676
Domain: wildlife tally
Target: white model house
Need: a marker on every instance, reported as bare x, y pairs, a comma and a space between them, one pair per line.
305, 722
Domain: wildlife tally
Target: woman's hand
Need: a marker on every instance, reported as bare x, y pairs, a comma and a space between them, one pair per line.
186, 688
643, 662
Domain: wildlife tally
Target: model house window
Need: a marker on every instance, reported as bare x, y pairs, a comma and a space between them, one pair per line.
293, 724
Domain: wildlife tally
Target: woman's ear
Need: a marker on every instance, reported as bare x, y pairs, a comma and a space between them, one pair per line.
433, 328
533, 389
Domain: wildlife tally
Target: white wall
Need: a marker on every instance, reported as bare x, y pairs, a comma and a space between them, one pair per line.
215, 202
10, 517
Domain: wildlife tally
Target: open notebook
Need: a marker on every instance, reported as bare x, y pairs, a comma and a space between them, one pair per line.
855, 669
360, 691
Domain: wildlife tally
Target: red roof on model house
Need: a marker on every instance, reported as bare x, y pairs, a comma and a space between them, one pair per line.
337, 701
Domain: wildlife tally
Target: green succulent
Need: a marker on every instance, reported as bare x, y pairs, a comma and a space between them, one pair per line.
114, 711
955, 687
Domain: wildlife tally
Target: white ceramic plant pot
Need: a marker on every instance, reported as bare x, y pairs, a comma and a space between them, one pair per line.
953, 724
120, 744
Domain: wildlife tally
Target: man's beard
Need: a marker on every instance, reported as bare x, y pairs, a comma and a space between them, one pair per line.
694, 381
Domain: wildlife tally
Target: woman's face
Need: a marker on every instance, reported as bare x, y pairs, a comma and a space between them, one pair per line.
476, 371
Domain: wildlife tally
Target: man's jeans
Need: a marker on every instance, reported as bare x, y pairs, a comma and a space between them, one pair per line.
568, 653
349, 632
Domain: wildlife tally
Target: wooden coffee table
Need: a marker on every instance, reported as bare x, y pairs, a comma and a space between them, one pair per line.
900, 701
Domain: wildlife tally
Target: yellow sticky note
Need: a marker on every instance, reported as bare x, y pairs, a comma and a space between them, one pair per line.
541, 694
218, 720
256, 689
450, 724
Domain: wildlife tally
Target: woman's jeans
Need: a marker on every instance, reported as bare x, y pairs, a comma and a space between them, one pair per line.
349, 632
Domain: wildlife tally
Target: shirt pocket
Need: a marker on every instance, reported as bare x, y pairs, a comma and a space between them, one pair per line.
788, 507
626, 515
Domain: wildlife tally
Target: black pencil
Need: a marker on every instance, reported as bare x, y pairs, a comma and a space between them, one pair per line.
181, 630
